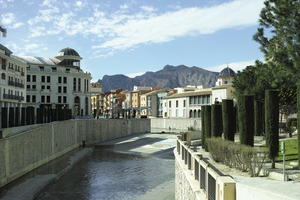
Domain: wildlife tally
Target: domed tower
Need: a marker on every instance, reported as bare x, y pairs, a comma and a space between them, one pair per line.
225, 77
69, 57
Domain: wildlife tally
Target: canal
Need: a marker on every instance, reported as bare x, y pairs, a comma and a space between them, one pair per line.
140, 167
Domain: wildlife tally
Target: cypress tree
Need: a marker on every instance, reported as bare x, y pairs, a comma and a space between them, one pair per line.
298, 120
258, 118
246, 119
207, 123
203, 126
216, 120
272, 123
228, 119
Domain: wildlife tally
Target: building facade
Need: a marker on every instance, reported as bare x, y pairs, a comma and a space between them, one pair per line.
97, 99
12, 89
58, 83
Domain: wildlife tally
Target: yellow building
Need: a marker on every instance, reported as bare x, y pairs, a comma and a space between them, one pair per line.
97, 99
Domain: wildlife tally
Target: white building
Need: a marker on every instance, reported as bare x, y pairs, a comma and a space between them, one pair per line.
12, 89
188, 101
58, 83
186, 105
223, 88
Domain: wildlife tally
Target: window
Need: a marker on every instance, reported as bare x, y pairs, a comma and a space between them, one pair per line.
27, 98
65, 79
43, 79
74, 84
170, 104
59, 89
43, 99
42, 68
33, 87
59, 79
59, 99
48, 87
48, 99
54, 69
33, 78
183, 103
28, 78
65, 99
33, 98
65, 89
28, 86
42, 87
177, 104
79, 84
67, 70
48, 79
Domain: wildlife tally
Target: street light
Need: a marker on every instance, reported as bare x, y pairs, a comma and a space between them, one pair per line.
3, 31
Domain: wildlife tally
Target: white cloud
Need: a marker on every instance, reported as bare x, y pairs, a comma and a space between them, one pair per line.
120, 30
148, 8
17, 25
7, 18
188, 21
236, 66
79, 3
26, 48
132, 75
124, 6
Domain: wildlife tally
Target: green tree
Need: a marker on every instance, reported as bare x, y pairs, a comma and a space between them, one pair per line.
279, 38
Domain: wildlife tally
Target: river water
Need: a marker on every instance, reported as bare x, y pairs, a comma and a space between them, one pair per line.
108, 175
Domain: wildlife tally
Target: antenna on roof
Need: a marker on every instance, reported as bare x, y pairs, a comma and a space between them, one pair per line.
3, 30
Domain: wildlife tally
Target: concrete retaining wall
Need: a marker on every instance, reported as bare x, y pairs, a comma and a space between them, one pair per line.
174, 125
30, 149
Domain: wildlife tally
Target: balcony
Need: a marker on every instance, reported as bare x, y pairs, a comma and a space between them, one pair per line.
16, 84
13, 97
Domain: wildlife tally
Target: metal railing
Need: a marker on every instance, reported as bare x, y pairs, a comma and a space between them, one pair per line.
205, 173
13, 97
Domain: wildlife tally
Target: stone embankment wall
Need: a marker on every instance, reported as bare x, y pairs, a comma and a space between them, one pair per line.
174, 125
25, 151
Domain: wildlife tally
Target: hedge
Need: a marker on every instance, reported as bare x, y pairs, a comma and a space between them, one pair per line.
242, 157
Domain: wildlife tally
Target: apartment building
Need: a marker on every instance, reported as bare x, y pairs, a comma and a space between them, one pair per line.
97, 98
58, 83
12, 89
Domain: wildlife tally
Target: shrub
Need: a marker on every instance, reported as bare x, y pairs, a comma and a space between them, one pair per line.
242, 157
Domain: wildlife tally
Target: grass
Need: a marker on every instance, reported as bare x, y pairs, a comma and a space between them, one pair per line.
291, 151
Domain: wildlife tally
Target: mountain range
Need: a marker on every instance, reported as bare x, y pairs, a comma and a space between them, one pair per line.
169, 77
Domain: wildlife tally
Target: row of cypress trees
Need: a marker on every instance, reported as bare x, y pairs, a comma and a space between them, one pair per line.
250, 117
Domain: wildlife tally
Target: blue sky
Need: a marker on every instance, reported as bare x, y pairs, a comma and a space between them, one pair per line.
134, 36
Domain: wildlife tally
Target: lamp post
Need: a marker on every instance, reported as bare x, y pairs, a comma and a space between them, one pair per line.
3, 31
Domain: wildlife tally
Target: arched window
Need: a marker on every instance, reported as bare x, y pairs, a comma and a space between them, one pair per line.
191, 113
199, 113
195, 114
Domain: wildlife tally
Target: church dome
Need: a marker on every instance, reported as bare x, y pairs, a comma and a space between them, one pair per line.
68, 52
227, 72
